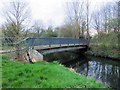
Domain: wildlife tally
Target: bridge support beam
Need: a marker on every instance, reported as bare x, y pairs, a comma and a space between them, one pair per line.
34, 56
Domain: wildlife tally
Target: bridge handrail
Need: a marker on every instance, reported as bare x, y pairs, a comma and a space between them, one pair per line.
35, 41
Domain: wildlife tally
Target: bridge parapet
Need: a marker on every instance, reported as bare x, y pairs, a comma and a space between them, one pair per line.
30, 42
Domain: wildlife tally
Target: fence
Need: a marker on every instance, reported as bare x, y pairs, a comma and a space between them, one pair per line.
9, 42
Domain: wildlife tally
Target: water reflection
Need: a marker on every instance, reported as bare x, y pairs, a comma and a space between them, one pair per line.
103, 70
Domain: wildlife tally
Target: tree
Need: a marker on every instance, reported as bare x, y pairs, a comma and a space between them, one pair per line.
75, 15
38, 27
8, 31
108, 14
87, 19
17, 14
83, 29
79, 16
97, 22
48, 33
118, 16
66, 31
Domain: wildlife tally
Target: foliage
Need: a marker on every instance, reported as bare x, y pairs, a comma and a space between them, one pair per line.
48, 33
66, 31
42, 75
107, 40
108, 44
44, 33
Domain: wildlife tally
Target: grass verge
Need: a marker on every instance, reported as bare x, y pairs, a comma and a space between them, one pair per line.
42, 75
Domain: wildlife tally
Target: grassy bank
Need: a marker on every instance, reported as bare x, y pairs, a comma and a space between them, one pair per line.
107, 45
42, 75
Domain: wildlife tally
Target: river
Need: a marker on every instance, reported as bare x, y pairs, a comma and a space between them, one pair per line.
105, 70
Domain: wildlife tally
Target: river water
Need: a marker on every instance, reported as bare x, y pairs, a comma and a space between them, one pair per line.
105, 70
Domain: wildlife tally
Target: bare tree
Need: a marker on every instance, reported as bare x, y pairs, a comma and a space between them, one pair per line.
96, 22
79, 16
87, 18
83, 29
75, 16
108, 15
38, 26
105, 18
118, 16
17, 13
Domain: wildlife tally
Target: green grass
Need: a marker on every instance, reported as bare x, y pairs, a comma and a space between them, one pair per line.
42, 75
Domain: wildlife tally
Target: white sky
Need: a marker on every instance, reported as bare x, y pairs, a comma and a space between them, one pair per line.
51, 12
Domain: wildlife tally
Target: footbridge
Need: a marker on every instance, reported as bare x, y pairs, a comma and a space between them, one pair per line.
36, 47
55, 44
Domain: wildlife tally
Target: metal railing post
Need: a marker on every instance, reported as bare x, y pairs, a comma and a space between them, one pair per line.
50, 41
60, 42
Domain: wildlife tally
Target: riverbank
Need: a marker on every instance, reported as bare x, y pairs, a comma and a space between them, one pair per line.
43, 75
106, 46
102, 54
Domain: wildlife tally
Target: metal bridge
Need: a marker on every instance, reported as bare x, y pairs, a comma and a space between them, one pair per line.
54, 44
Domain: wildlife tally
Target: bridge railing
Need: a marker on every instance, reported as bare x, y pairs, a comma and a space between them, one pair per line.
29, 42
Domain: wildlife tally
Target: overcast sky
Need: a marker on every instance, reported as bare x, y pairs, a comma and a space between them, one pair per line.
51, 12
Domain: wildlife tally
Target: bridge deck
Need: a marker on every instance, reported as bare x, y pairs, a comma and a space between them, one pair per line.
43, 47
57, 48
60, 49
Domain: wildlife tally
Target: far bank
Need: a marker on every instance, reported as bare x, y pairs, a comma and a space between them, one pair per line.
105, 46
